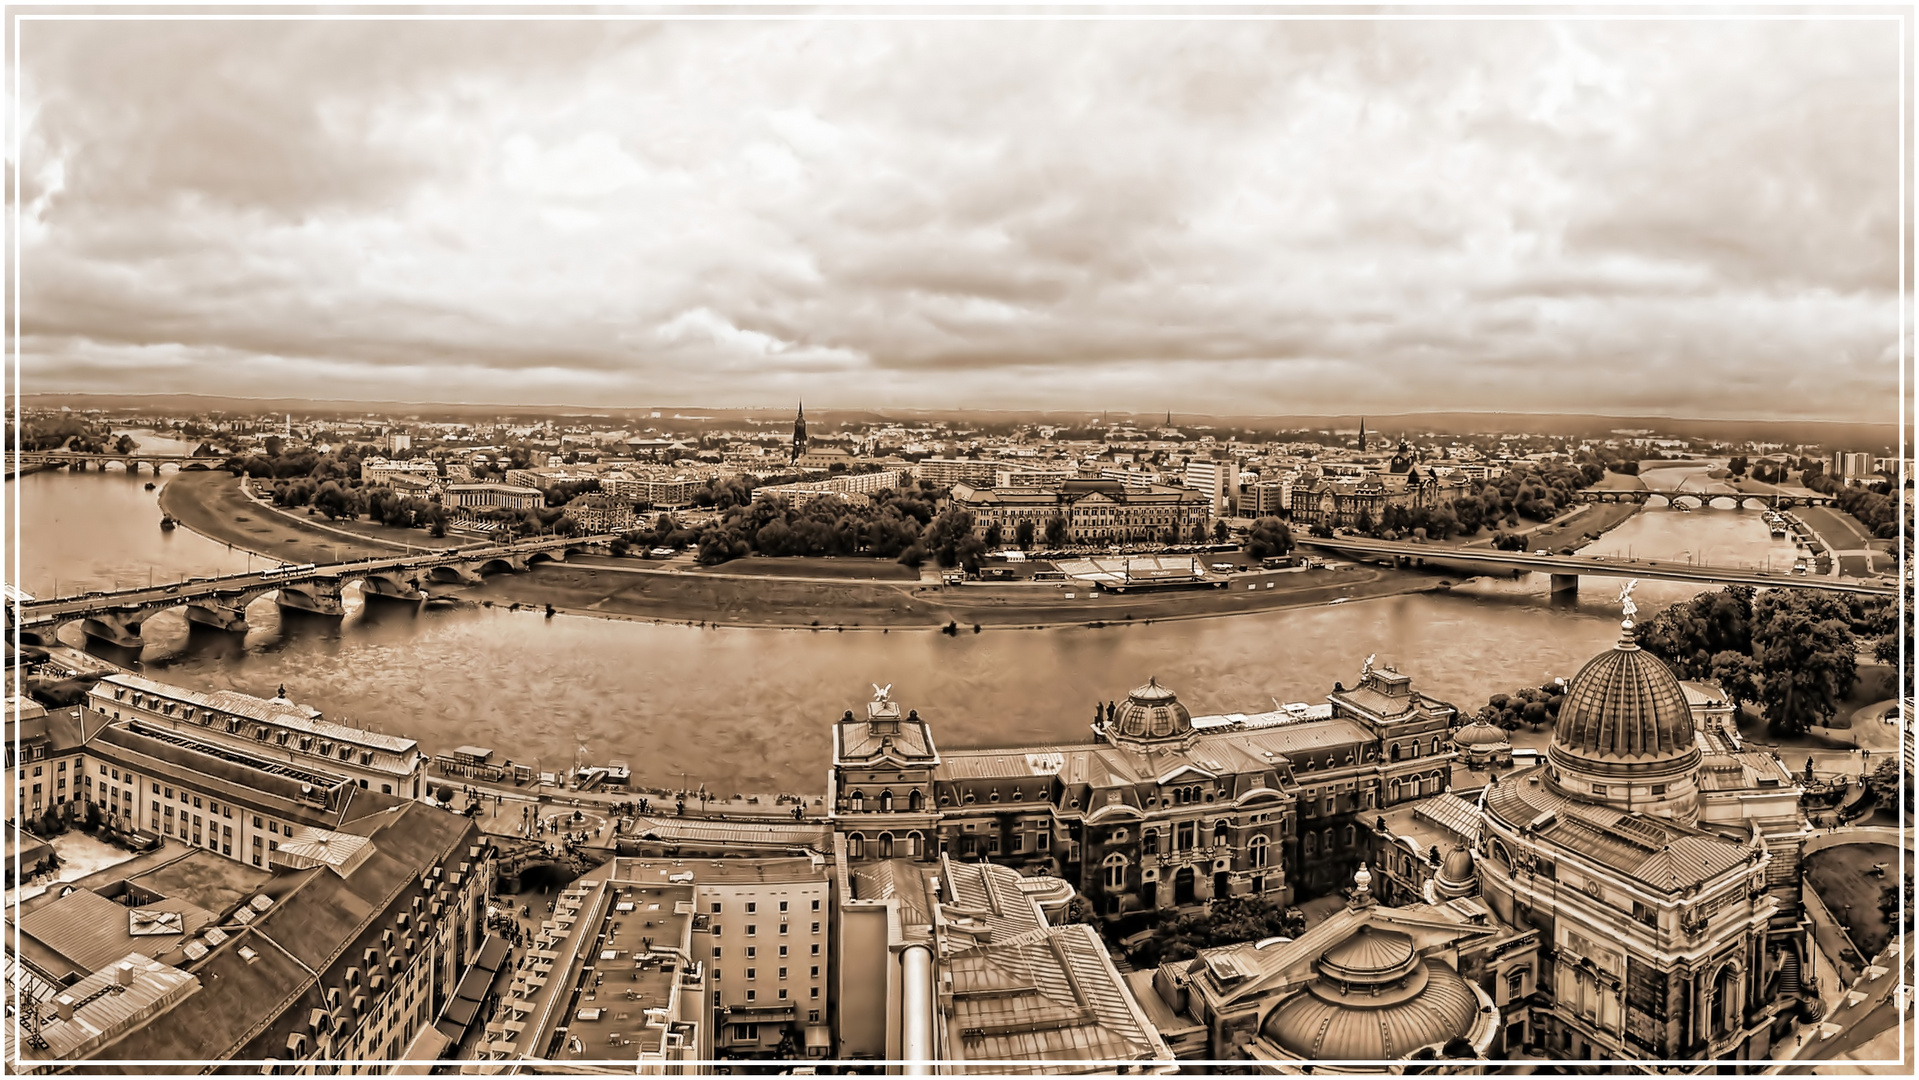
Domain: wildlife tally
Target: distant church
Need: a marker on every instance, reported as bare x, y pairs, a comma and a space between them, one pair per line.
799, 432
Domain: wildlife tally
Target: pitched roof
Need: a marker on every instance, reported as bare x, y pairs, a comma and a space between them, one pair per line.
1655, 852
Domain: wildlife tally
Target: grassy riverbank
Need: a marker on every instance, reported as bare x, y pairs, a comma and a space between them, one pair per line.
780, 593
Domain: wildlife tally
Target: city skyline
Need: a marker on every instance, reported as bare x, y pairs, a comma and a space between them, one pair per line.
1279, 217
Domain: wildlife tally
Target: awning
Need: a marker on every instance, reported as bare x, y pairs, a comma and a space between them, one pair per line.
451, 1030
427, 1048
818, 1038
492, 954
461, 1011
473, 986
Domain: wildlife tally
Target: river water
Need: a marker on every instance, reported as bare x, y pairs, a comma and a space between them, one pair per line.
751, 710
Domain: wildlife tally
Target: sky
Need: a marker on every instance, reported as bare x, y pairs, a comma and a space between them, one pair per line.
1321, 216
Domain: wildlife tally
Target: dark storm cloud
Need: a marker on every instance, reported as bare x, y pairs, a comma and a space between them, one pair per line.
1692, 217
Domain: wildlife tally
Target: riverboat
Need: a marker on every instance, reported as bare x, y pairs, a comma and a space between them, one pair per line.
167, 522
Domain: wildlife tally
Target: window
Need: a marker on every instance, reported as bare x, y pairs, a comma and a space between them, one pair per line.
782, 992
782, 905
1516, 982
1183, 836
816, 948
1256, 851
753, 1027
855, 845
816, 971
716, 956
1149, 842
751, 929
751, 907
1219, 833
816, 907
716, 907
1659, 789
782, 973
751, 952
1115, 866
1599, 789
782, 950
256, 821
751, 972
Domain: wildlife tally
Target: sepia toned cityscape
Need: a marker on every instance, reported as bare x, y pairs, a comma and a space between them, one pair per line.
992, 542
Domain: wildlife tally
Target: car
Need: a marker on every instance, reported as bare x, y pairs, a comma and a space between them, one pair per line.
1542, 551
1222, 568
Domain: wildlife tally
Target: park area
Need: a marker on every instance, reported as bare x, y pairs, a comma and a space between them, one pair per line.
1844, 879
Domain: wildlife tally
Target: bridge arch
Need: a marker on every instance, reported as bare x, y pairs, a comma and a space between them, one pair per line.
1658, 499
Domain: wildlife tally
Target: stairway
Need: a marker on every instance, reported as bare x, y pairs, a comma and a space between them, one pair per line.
1788, 976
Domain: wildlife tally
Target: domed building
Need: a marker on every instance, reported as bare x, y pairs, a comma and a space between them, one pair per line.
1365, 990
1151, 713
1625, 736
1482, 745
1670, 937
1458, 875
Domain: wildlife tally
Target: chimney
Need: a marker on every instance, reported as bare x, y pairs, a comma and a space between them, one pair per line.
123, 973
63, 1006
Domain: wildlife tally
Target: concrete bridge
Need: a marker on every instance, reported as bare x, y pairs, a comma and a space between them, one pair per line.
1566, 570
221, 603
79, 462
1703, 500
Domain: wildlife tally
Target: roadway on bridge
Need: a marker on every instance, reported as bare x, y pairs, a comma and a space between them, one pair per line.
1595, 566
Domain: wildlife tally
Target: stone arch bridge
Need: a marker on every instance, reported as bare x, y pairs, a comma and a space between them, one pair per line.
221, 603
132, 463
1703, 501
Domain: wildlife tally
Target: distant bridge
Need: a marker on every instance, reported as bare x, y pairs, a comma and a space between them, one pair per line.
1698, 500
131, 462
1566, 570
221, 602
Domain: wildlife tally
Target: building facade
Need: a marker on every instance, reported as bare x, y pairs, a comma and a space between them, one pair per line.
1153, 811
597, 513
1341, 502
494, 496
1093, 512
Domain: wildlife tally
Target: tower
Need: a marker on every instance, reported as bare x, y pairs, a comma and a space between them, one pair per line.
799, 432
1362, 434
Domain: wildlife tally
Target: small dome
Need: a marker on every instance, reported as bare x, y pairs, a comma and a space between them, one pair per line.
1480, 733
1369, 958
1458, 867
1151, 712
1625, 705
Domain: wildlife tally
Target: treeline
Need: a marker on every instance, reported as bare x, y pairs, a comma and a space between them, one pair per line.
75, 433
1228, 920
351, 499
1873, 504
1533, 706
1524, 492
890, 524
1790, 652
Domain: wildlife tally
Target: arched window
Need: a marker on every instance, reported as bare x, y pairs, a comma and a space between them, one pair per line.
857, 801
1415, 748
886, 801
855, 846
1308, 845
1256, 850
886, 845
1395, 751
913, 844
1219, 832
1435, 744
913, 801
1348, 838
1394, 786
1115, 865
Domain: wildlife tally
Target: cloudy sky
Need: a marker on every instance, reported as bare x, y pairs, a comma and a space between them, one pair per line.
1678, 217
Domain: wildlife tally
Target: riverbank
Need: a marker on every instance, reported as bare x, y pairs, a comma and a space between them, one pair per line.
213, 505
709, 599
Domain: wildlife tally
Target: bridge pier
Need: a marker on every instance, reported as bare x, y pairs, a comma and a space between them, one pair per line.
214, 614
116, 629
317, 596
403, 587
1565, 583
456, 573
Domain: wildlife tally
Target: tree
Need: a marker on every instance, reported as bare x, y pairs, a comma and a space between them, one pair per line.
1220, 532
125, 445
1737, 466
1081, 910
1807, 658
1199, 532
1738, 675
274, 446
1055, 531
995, 536
444, 794
1023, 534
1268, 537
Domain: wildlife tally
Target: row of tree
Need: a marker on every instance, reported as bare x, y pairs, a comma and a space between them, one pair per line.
1228, 920
888, 525
1533, 706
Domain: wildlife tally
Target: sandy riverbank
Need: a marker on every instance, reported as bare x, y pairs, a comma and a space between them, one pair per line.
212, 504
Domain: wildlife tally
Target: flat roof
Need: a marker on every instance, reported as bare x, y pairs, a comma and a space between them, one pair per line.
720, 871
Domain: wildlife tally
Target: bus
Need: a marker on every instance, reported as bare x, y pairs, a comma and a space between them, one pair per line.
287, 571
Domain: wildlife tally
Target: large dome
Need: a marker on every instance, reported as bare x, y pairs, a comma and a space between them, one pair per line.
1625, 706
1415, 1003
1151, 712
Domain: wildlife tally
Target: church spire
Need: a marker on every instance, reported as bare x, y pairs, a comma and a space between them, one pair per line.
799, 431
1362, 434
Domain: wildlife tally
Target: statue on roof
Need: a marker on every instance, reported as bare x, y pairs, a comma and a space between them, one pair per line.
880, 692
1368, 669
1626, 605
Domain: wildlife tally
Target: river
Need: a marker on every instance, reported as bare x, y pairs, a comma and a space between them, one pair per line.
751, 710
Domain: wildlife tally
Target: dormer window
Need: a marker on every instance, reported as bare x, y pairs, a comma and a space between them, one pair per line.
857, 801
993, 796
